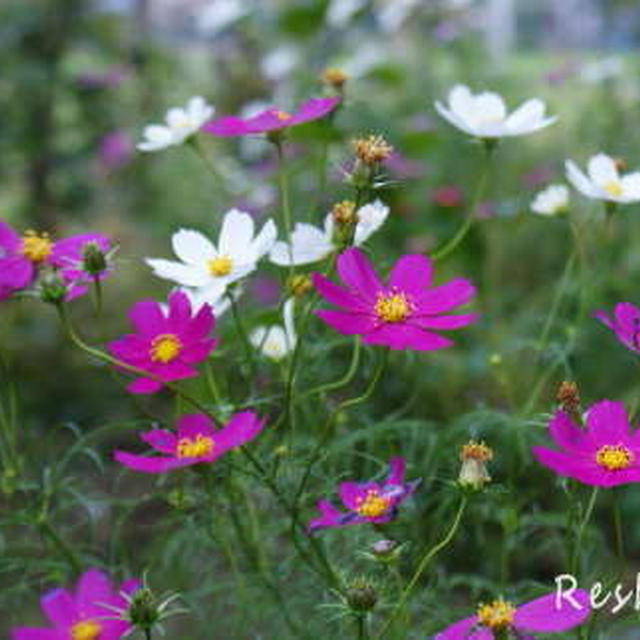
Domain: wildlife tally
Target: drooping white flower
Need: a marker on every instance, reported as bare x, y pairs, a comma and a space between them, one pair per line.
603, 181
277, 341
484, 115
180, 125
208, 269
310, 244
551, 201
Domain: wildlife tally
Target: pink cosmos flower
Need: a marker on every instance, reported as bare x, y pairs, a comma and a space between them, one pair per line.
115, 149
400, 314
166, 344
547, 614
82, 615
271, 119
605, 453
447, 196
625, 323
367, 501
78, 259
195, 442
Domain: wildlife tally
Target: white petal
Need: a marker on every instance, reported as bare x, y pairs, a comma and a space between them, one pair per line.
370, 218
192, 247
489, 107
631, 186
199, 111
156, 137
265, 239
289, 323
186, 275
308, 244
526, 115
602, 169
177, 118
454, 119
236, 235
579, 180
461, 100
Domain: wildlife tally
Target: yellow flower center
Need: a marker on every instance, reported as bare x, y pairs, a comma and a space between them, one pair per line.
372, 505
496, 615
165, 348
476, 451
220, 266
614, 457
195, 447
36, 247
86, 630
282, 115
613, 188
393, 307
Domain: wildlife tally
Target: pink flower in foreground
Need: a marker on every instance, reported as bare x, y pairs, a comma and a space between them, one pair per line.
547, 614
79, 259
167, 345
195, 442
401, 314
367, 501
605, 453
271, 119
625, 323
81, 615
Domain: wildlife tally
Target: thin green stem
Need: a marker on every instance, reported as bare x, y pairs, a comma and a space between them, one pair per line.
285, 206
617, 527
581, 527
422, 565
64, 548
196, 145
449, 247
242, 334
362, 626
147, 633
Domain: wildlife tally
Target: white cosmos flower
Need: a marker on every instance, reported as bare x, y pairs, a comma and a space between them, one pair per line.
484, 115
603, 182
310, 244
276, 341
551, 201
208, 269
180, 124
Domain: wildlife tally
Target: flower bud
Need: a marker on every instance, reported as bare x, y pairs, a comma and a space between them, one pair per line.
94, 260
334, 78
299, 284
473, 472
371, 150
144, 609
344, 213
568, 397
52, 288
361, 595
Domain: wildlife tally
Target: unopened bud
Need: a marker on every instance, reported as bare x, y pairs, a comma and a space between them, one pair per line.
361, 595
143, 609
334, 78
473, 472
344, 213
52, 288
299, 284
94, 260
568, 396
371, 150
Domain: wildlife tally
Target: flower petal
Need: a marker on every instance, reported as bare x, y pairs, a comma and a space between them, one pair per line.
462, 631
161, 440
411, 273
241, 428
404, 336
58, 605
356, 271
550, 614
93, 586
348, 324
192, 247
236, 235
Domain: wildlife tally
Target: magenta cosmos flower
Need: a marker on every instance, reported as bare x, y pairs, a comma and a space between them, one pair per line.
196, 441
21, 256
271, 119
625, 323
605, 453
82, 615
166, 344
548, 614
401, 314
367, 501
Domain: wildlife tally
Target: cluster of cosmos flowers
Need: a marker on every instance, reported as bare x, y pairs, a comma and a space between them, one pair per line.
403, 311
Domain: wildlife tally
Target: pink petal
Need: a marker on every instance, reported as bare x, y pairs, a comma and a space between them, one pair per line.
144, 385
582, 469
607, 423
351, 493
150, 464
9, 239
161, 440
348, 323
194, 424
444, 322
16, 272
179, 311
329, 517
315, 108
545, 615
226, 126
404, 336
337, 295
147, 318
397, 468
356, 272
32, 633
59, 607
197, 352
93, 586
628, 318
242, 427
566, 434
201, 324
445, 297
411, 273
462, 631
604, 317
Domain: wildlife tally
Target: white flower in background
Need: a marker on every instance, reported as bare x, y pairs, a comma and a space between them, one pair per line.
340, 12
208, 270
220, 14
276, 341
551, 201
484, 115
310, 244
603, 181
280, 62
180, 125
601, 70
393, 13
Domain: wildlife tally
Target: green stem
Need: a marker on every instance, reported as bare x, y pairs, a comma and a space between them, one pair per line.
285, 207
362, 626
617, 527
242, 334
195, 144
426, 558
147, 633
449, 247
581, 528
66, 550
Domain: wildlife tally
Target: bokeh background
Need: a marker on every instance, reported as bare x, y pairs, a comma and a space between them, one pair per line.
82, 78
